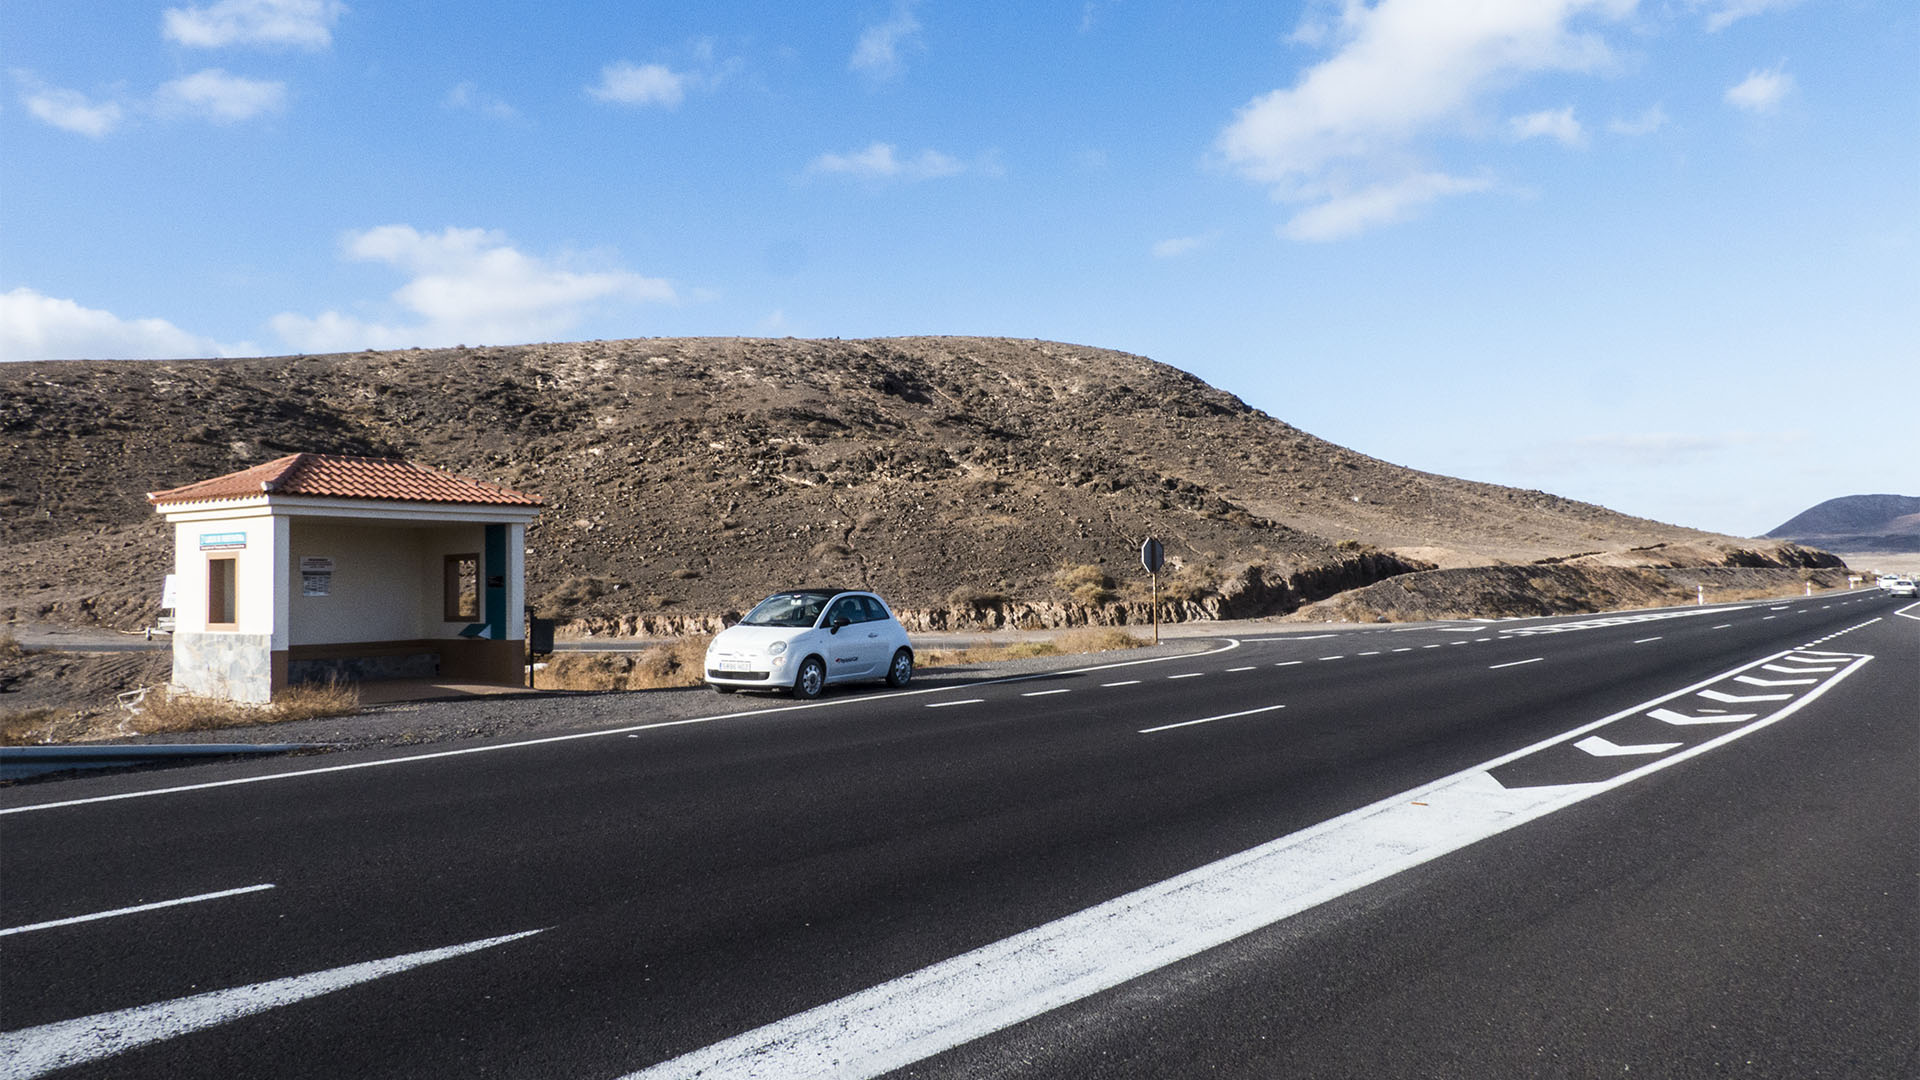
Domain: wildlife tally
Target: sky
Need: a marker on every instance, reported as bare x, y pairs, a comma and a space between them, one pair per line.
1662, 255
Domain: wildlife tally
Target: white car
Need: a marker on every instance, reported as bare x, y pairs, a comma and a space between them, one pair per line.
806, 639
1903, 586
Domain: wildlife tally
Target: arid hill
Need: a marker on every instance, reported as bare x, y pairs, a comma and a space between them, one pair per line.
969, 478
1857, 523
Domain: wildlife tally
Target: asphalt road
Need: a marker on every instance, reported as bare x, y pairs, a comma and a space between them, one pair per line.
1672, 843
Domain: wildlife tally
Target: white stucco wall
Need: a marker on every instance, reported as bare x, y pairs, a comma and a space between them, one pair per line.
255, 566
385, 585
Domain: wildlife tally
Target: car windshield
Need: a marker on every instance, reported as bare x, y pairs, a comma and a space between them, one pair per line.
787, 609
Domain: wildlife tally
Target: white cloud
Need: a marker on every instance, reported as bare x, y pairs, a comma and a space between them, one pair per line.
38, 327
467, 285
1646, 123
1760, 91
1346, 133
880, 162
221, 97
1352, 213
877, 53
468, 96
1557, 124
303, 24
640, 84
1727, 12
1173, 247
69, 110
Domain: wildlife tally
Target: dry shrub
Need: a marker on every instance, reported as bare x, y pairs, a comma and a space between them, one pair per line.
966, 596
1086, 583
23, 727
572, 593
674, 664
164, 711
10, 647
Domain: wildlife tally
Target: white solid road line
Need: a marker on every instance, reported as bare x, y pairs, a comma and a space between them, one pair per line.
1515, 663
1209, 719
956, 1001
36, 1051
136, 909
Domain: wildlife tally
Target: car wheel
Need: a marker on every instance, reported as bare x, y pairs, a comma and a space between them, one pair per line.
811, 679
725, 689
900, 672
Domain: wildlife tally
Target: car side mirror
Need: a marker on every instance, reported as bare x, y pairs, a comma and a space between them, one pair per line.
838, 622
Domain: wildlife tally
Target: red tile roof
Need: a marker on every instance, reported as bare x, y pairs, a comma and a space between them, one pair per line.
340, 477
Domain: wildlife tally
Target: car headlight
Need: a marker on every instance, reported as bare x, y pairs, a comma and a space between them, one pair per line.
776, 648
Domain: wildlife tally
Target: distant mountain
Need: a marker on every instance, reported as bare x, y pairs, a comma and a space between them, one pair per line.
1857, 523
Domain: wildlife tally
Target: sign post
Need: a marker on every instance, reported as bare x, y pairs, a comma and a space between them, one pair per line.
1152, 557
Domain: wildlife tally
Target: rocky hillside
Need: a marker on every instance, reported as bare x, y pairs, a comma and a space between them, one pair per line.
964, 477
1857, 523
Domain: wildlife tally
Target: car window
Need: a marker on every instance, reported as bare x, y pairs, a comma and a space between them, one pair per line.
876, 611
848, 608
786, 609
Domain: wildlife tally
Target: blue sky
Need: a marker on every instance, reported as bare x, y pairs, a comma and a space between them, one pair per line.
1662, 255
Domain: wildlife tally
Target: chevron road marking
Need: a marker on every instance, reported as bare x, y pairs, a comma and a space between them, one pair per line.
1671, 717
1754, 681
1599, 747
1717, 695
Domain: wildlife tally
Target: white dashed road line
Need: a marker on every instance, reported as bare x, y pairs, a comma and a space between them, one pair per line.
1515, 663
950, 704
1110, 685
1045, 693
1644, 640
137, 908
1188, 675
1209, 719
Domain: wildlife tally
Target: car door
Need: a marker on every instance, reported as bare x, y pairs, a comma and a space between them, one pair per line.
850, 650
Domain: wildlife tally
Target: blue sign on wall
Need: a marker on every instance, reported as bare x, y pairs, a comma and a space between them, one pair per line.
226, 541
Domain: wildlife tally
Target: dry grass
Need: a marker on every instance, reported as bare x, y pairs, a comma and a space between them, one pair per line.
164, 711
662, 667
1086, 583
23, 727
1089, 639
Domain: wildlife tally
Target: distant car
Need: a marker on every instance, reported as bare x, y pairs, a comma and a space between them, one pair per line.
807, 639
1903, 586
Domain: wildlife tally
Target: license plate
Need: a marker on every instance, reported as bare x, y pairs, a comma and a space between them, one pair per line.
734, 665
